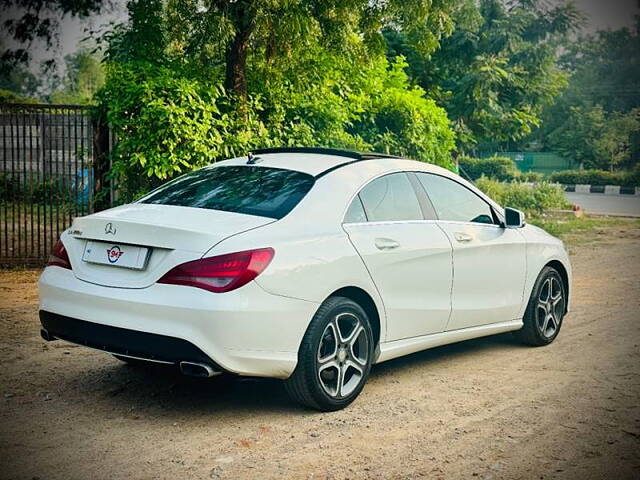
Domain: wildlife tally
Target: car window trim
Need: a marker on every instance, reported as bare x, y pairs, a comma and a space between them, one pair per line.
428, 210
478, 224
396, 222
491, 209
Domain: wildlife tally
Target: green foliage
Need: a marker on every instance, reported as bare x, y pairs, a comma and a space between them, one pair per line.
561, 227
84, 76
497, 71
532, 199
165, 123
398, 119
593, 138
169, 121
8, 188
575, 138
614, 145
310, 75
595, 122
533, 177
497, 168
48, 192
19, 81
7, 96
232, 34
37, 20
597, 177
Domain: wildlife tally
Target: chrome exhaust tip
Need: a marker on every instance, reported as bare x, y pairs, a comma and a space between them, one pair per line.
195, 369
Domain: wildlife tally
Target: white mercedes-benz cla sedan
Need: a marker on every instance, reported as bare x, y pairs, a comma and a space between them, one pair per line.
304, 264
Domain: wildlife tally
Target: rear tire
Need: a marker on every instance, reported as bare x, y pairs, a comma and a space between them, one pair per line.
545, 310
335, 357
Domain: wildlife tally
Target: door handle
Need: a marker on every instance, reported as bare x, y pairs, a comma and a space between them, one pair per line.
463, 237
386, 244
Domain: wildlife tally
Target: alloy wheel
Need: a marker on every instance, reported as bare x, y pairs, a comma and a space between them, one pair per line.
343, 354
550, 307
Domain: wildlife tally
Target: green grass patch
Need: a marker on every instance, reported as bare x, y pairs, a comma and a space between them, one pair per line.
562, 227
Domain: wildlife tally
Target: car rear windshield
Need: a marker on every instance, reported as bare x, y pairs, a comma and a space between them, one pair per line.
253, 190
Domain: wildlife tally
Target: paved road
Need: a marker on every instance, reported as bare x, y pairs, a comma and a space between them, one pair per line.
606, 204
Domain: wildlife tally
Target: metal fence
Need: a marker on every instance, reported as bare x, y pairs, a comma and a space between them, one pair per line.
51, 169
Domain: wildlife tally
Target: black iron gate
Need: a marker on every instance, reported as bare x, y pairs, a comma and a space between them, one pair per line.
52, 162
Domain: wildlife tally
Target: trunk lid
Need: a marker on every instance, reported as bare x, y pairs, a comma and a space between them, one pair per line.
172, 234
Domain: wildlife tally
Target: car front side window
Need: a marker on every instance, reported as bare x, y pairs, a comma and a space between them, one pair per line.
454, 202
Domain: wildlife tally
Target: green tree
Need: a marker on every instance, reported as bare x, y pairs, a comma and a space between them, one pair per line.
595, 139
83, 77
613, 145
234, 33
169, 121
183, 89
20, 81
30, 21
497, 70
576, 138
603, 91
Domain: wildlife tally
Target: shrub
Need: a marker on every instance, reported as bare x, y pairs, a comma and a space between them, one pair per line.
498, 168
533, 177
9, 190
51, 191
172, 120
532, 199
597, 177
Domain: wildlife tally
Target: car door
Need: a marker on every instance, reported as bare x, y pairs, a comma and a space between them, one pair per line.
489, 261
407, 255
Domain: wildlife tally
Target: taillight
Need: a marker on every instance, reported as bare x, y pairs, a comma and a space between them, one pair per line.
59, 256
222, 273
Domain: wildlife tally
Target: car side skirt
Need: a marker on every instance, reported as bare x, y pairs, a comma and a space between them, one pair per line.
399, 348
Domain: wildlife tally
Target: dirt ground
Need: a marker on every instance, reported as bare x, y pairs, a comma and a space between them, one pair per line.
486, 408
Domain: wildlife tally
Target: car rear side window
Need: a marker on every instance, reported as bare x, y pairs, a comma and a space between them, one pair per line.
455, 202
355, 213
252, 190
390, 198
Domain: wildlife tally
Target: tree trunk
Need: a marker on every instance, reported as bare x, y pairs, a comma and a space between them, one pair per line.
236, 64
242, 14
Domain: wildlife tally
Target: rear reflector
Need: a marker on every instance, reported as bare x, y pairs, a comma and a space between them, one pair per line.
222, 273
59, 256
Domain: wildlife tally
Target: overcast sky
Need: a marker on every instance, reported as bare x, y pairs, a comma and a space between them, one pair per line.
609, 14
601, 15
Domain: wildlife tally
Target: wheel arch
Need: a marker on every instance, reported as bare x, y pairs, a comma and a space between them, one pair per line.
362, 298
564, 275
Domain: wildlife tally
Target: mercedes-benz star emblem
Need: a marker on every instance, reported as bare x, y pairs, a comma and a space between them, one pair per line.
109, 228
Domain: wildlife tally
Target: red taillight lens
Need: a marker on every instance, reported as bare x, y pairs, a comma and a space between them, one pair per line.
222, 273
59, 256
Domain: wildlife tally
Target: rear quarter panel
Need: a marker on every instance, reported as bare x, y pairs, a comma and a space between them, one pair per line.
313, 254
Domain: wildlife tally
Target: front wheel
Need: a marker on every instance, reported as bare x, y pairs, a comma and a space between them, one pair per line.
545, 311
335, 357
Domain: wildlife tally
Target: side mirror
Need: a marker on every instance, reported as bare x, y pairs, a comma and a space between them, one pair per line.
513, 218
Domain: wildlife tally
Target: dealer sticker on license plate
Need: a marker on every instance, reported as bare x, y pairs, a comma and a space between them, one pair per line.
116, 255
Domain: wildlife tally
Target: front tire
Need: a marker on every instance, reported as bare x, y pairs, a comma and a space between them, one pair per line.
545, 311
335, 357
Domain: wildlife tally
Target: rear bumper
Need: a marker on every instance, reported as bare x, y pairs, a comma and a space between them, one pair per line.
247, 331
123, 341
